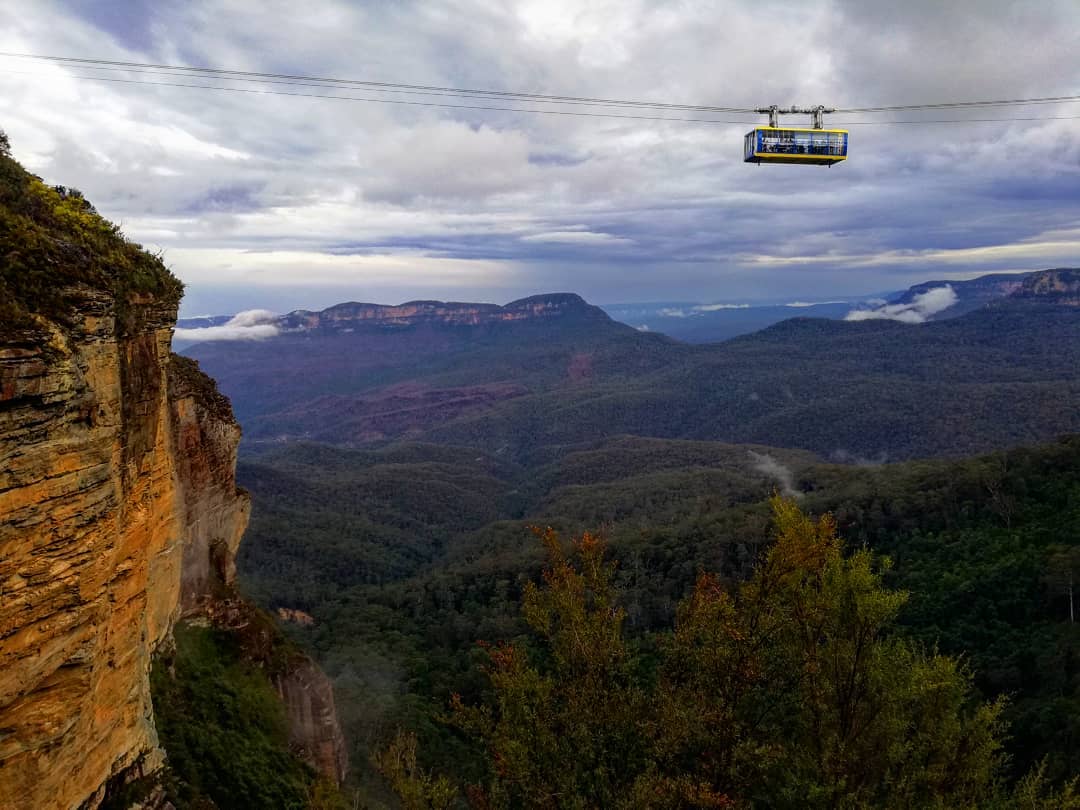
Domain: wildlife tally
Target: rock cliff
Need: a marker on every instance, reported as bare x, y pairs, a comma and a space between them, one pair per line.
119, 510
1060, 287
118, 499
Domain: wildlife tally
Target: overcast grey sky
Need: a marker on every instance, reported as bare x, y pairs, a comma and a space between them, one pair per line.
284, 202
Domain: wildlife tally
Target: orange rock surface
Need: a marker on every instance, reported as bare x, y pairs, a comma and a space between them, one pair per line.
118, 512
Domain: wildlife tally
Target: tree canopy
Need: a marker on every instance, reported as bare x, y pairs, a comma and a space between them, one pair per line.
789, 689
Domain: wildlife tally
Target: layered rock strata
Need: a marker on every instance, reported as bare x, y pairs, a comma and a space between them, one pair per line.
118, 510
119, 515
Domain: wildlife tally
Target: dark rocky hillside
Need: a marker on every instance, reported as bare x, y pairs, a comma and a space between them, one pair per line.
399, 363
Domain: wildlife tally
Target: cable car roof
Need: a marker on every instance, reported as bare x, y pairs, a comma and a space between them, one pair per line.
799, 129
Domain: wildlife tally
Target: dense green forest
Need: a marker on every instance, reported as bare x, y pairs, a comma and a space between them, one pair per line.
785, 690
409, 555
396, 479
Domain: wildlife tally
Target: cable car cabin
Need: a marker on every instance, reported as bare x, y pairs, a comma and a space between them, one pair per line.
817, 147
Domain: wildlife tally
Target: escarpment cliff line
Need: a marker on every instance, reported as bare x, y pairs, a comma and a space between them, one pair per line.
119, 511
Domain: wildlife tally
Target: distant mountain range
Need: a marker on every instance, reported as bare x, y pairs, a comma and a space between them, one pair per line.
688, 322
969, 294
710, 323
553, 372
707, 323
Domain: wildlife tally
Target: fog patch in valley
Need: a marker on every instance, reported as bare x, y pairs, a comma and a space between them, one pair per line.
918, 310
770, 467
252, 324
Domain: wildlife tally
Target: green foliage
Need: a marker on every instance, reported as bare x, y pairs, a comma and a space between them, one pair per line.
1035, 792
417, 789
400, 647
823, 706
224, 728
571, 734
789, 692
54, 247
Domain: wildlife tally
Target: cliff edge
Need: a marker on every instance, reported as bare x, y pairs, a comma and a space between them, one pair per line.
119, 510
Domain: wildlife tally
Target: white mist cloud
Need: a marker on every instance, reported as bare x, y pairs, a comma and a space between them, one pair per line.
921, 307
575, 238
253, 324
679, 312
717, 307
813, 303
767, 465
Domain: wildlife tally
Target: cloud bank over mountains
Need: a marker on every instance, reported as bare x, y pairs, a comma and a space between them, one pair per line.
920, 309
253, 324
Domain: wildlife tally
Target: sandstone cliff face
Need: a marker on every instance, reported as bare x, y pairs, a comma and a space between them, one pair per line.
120, 515
1060, 287
314, 732
119, 511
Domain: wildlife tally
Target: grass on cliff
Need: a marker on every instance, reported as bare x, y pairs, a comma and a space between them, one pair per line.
52, 241
224, 728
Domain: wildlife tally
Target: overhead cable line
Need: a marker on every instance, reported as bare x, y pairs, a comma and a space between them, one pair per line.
245, 75
385, 87
257, 91
166, 72
949, 105
221, 73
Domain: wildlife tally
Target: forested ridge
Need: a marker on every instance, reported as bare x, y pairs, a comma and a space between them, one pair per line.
1003, 375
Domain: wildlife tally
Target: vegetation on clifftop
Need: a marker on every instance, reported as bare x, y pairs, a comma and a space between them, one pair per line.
52, 241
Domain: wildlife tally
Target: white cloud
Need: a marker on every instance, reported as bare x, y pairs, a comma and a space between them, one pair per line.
921, 307
770, 467
575, 238
718, 307
698, 309
253, 324
369, 272
800, 304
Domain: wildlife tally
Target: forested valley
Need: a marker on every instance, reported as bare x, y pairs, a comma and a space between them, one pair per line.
438, 508
406, 557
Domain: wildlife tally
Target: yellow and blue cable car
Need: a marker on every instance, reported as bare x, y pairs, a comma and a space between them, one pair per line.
814, 147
